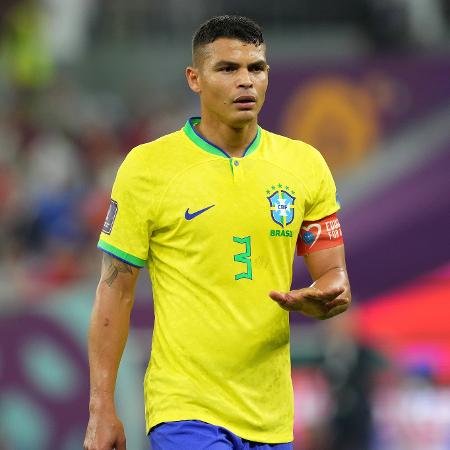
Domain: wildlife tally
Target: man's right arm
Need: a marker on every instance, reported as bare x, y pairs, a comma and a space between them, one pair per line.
108, 333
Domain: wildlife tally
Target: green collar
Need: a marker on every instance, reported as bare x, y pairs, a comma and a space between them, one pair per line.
208, 146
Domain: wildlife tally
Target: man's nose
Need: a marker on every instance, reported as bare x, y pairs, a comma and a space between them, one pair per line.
245, 79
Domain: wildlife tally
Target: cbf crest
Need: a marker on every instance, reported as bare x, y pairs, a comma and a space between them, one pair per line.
281, 204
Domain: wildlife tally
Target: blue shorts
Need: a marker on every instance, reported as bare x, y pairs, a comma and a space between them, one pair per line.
197, 435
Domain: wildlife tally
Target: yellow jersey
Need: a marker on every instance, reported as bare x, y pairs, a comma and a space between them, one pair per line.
218, 233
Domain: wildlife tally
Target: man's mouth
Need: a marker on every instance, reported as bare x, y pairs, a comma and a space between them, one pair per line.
245, 99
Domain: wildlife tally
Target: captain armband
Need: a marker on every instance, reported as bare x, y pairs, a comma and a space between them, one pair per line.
319, 235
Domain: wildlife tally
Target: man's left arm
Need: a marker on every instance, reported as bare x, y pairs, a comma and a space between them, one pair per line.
329, 294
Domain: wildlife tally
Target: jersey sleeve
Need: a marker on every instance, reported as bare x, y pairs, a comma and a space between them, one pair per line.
127, 228
320, 228
323, 201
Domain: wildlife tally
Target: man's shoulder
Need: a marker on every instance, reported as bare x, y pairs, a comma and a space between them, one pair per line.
286, 146
157, 161
153, 153
158, 148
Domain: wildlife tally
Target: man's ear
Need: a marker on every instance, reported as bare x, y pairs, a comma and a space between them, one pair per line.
192, 76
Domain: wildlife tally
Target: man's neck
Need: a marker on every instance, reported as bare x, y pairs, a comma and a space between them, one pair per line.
234, 141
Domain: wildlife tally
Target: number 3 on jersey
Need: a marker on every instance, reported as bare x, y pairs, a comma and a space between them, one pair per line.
244, 257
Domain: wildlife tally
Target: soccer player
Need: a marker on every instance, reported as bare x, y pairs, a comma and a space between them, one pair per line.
216, 211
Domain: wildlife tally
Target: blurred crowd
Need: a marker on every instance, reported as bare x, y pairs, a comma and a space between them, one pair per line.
59, 150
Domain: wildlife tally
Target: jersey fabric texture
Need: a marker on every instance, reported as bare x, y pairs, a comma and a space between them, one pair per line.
218, 233
196, 435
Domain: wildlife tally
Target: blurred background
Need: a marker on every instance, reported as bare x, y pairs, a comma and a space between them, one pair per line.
365, 81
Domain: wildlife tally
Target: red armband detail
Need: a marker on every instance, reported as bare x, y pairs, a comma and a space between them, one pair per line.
319, 235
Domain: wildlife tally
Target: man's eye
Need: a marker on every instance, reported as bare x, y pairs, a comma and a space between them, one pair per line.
227, 69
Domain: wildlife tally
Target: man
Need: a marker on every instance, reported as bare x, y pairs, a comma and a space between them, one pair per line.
216, 211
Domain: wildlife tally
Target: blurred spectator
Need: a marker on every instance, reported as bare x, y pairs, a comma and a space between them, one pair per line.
60, 149
387, 24
23, 47
66, 27
350, 367
426, 21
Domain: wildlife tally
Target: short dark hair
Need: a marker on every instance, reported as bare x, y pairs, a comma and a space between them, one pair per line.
233, 27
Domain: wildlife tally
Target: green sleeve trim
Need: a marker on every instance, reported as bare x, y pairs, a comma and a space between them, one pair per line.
120, 254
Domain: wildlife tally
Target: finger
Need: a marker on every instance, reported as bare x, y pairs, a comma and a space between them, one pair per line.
334, 292
121, 443
281, 299
337, 302
305, 293
315, 294
327, 295
286, 306
337, 310
278, 296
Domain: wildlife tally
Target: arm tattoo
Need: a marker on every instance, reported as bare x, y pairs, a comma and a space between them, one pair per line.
114, 267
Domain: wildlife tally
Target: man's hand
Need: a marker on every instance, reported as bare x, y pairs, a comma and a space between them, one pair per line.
104, 432
313, 302
329, 295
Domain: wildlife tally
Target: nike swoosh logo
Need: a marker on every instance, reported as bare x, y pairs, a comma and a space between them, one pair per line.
190, 216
